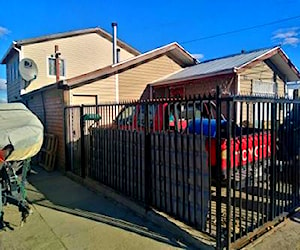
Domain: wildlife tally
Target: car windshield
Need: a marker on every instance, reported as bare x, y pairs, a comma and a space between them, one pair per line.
126, 116
189, 111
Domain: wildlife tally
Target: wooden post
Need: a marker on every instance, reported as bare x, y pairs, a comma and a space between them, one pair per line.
57, 62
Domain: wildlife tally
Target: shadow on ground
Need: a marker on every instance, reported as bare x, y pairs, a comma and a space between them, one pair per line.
296, 217
53, 190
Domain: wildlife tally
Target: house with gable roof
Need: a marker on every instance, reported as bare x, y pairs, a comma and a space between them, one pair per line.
99, 80
81, 51
257, 72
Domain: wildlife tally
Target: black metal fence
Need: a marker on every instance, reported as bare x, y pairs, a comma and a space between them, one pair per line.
224, 165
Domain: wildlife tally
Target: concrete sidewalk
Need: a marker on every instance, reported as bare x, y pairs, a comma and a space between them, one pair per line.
67, 215
284, 236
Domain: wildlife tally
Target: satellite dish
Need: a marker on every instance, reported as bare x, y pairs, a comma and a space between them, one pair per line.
28, 69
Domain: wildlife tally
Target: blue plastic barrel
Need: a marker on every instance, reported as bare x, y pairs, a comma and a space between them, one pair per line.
203, 124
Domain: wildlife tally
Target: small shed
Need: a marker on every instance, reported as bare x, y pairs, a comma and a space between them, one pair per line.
257, 72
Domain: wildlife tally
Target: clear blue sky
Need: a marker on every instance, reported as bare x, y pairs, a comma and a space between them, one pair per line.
149, 24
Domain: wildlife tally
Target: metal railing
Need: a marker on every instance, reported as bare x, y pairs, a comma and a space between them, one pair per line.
224, 165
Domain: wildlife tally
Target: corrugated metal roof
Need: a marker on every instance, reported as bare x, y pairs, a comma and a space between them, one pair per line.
218, 65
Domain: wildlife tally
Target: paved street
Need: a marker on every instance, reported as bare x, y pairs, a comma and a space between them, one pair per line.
73, 217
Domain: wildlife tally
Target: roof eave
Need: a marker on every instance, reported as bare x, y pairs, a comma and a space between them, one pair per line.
289, 62
56, 85
195, 77
189, 59
3, 60
97, 30
124, 65
267, 54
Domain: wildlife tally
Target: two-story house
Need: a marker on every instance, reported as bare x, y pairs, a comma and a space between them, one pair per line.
82, 51
88, 75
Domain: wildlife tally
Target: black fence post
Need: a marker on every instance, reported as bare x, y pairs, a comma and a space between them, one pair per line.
273, 162
67, 130
148, 174
218, 172
82, 144
228, 174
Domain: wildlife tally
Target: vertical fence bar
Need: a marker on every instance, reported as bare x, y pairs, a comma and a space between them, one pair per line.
234, 170
240, 169
183, 163
83, 165
194, 169
148, 181
164, 158
160, 127
272, 172
279, 196
219, 235
260, 139
201, 173
170, 167
66, 137
209, 166
264, 162
290, 161
247, 169
268, 208
188, 160
253, 165
228, 174
155, 112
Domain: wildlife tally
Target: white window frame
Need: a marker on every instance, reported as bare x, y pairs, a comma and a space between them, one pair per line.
54, 76
266, 83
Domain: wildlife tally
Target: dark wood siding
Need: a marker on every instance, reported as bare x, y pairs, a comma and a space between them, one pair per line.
48, 106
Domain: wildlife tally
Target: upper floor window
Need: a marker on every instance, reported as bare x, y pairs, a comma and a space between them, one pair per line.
52, 68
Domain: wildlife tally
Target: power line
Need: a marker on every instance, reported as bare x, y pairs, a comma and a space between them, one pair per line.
242, 29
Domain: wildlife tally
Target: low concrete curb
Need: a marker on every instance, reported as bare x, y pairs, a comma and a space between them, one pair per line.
182, 232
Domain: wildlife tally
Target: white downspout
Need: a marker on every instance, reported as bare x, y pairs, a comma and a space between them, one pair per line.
20, 81
115, 59
238, 105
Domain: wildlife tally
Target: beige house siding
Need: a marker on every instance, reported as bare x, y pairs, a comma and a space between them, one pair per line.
281, 87
105, 90
262, 72
82, 54
133, 82
52, 117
